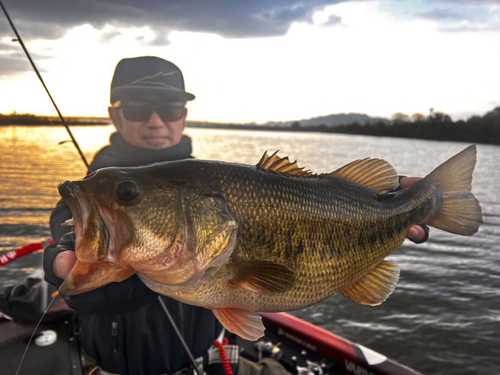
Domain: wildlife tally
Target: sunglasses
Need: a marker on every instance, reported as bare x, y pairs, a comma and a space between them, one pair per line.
141, 110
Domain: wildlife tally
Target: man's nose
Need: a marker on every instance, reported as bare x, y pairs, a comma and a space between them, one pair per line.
155, 120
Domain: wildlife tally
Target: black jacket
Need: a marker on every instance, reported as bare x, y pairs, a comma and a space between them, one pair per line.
123, 325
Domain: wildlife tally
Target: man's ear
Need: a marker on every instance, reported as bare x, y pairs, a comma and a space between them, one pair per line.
115, 117
184, 120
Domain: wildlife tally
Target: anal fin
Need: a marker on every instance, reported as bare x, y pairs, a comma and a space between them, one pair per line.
376, 286
246, 324
261, 276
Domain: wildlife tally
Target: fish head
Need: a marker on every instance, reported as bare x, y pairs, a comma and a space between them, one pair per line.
134, 220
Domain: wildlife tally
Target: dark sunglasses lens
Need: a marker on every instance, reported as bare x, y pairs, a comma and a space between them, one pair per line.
137, 112
170, 113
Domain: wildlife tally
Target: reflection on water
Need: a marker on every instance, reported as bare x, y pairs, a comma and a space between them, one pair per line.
443, 316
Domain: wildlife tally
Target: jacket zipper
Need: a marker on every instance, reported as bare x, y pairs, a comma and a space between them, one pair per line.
114, 333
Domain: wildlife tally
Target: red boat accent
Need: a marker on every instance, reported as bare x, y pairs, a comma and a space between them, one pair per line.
14, 254
350, 357
311, 337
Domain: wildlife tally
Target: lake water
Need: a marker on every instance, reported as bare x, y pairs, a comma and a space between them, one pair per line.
444, 315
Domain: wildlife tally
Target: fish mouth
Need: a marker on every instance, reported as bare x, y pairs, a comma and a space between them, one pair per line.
85, 277
96, 247
87, 219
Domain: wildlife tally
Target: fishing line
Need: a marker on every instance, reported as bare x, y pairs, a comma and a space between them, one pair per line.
33, 334
19, 39
179, 334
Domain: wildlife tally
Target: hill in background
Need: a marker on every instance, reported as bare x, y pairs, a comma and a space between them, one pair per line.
331, 120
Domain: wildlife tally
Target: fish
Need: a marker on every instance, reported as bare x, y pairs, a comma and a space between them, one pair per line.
242, 239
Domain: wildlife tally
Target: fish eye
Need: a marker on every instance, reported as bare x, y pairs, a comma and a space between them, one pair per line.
127, 190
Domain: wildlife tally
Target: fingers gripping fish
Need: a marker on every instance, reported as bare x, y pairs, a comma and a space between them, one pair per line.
241, 239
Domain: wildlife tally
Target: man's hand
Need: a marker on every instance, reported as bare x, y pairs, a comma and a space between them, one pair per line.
63, 263
416, 233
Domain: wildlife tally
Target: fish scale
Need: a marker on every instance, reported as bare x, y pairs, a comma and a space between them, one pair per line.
331, 230
240, 239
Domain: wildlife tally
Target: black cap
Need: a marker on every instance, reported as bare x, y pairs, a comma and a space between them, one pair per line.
148, 75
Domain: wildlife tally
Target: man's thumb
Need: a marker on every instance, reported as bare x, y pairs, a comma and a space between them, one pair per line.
63, 263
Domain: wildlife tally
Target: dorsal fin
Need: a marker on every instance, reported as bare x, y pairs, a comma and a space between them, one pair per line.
282, 165
376, 174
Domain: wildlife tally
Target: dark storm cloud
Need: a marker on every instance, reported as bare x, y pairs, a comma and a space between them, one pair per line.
50, 19
229, 18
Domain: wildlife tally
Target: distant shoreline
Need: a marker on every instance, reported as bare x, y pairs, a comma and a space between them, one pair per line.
60, 124
32, 120
439, 127
351, 129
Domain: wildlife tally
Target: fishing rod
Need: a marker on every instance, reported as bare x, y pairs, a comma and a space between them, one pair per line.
20, 40
179, 335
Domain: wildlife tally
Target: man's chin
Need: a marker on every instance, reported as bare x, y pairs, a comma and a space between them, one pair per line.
156, 143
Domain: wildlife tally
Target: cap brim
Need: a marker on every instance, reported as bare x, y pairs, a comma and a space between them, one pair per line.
169, 93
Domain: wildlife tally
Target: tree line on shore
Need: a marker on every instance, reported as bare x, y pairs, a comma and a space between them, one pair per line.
436, 126
29, 119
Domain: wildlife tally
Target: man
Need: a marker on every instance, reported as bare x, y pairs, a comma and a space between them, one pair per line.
124, 328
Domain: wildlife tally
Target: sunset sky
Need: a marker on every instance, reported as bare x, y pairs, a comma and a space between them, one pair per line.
261, 60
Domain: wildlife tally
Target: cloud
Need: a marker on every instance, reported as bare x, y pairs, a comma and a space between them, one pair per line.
108, 36
228, 18
332, 21
441, 14
13, 60
51, 19
13, 64
479, 16
466, 2
471, 28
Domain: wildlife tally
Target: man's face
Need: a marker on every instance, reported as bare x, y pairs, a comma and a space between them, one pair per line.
149, 121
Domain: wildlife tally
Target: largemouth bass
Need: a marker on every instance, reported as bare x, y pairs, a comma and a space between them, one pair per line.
242, 239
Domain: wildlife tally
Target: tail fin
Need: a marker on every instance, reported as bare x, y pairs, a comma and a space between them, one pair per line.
460, 211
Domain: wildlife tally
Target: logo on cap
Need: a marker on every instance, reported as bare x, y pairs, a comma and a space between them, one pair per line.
160, 79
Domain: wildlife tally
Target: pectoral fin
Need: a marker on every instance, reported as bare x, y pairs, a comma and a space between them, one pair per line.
246, 324
262, 276
376, 286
